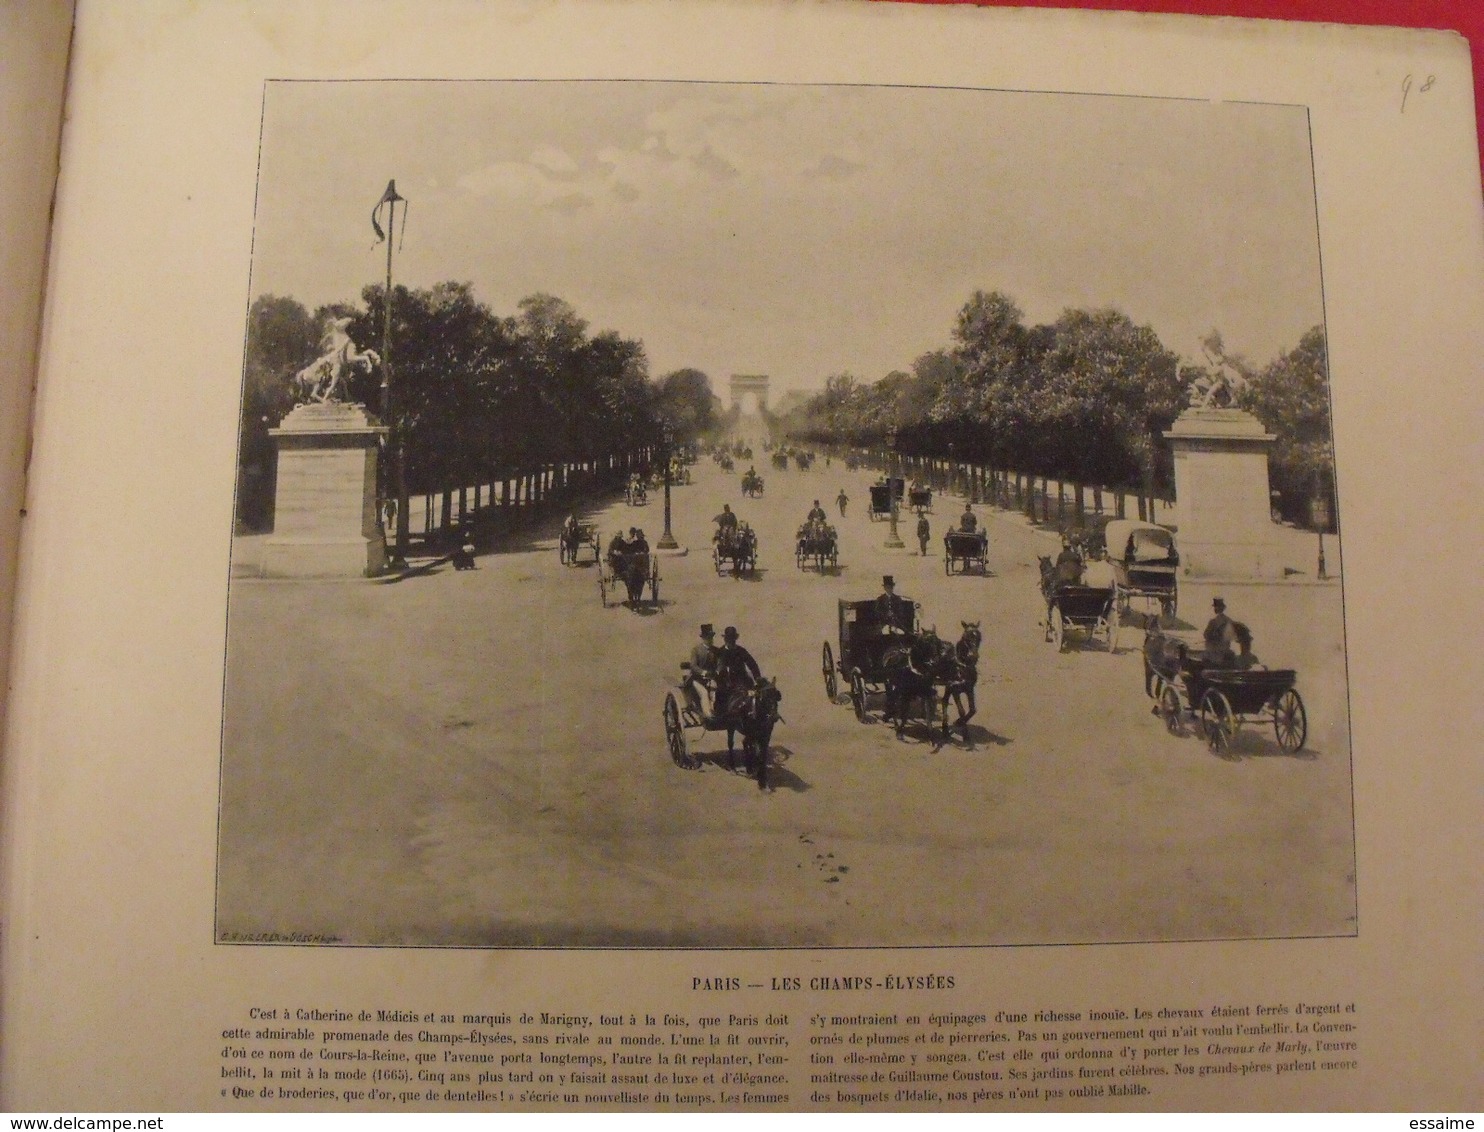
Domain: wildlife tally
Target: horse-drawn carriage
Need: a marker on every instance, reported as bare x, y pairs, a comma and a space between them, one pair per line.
804, 460
735, 549
966, 550
882, 495
817, 543
780, 459
753, 716
1145, 565
633, 570
574, 537
888, 654
920, 499
752, 484
1219, 700
1073, 608
635, 493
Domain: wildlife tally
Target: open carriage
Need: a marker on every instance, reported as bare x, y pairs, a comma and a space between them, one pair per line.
1145, 565
882, 495
818, 544
635, 493
753, 721
920, 499
632, 571
966, 550
735, 549
1219, 700
1076, 609
577, 539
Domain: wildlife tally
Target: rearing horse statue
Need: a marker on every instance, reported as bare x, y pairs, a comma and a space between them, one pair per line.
322, 379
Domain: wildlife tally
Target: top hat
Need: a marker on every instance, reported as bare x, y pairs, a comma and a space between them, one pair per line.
708, 630
888, 580
1218, 603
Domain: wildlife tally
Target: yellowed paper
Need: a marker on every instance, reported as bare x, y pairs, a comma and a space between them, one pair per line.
121, 917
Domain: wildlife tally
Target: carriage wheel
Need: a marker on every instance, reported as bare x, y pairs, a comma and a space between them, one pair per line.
716, 560
1218, 721
1169, 709
675, 734
1290, 721
654, 584
831, 685
562, 553
948, 563
1058, 630
858, 694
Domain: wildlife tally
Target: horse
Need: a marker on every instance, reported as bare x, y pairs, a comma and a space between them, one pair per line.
964, 674
753, 712
321, 378
913, 672
632, 569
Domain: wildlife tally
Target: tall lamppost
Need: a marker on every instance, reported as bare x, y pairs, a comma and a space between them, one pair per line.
667, 540
893, 540
1320, 517
396, 441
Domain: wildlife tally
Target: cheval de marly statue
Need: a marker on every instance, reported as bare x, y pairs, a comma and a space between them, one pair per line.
324, 379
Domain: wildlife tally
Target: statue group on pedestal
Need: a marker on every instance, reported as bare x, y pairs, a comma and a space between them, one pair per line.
325, 378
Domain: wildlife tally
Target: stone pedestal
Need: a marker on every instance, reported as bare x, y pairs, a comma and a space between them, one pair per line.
324, 516
1222, 506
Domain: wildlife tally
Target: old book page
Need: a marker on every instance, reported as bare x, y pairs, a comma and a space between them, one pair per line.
34, 38
424, 841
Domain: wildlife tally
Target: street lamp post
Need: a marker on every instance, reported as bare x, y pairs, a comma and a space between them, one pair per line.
667, 540
1319, 516
893, 540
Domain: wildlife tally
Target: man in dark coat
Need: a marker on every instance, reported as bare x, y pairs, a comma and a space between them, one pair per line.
736, 672
893, 613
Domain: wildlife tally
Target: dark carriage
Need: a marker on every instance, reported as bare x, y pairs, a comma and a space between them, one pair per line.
780, 459
964, 551
1219, 700
882, 495
817, 543
865, 636
752, 484
633, 571
920, 499
1145, 565
574, 540
735, 549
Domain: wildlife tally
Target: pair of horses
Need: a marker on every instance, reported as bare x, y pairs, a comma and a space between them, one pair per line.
916, 670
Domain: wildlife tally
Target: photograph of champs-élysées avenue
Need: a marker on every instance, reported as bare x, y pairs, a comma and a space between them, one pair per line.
692, 515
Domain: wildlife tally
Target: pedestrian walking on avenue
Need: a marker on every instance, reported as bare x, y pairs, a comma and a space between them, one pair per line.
842, 499
923, 533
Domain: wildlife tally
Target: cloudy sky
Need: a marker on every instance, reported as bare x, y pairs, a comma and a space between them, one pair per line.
798, 231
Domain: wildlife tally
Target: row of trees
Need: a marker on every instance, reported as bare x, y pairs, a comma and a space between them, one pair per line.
1085, 398
478, 396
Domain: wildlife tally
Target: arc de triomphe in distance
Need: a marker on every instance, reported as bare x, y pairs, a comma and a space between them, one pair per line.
744, 383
